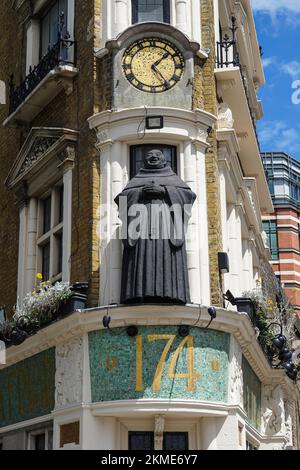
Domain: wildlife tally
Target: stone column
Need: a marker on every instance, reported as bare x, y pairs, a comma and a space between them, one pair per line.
22, 251
192, 241
247, 266
159, 425
31, 245
196, 20
201, 203
117, 161
120, 22
105, 219
182, 16
235, 249
67, 220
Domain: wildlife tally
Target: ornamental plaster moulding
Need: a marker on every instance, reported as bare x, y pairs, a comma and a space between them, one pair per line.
42, 145
151, 29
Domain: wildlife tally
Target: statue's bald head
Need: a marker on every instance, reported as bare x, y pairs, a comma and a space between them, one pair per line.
155, 159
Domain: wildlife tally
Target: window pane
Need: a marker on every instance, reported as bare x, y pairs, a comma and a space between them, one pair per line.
270, 227
46, 262
54, 22
39, 442
175, 441
45, 35
58, 240
141, 441
61, 204
151, 10
47, 214
138, 152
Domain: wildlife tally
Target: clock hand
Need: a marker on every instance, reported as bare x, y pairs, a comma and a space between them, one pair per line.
162, 58
158, 72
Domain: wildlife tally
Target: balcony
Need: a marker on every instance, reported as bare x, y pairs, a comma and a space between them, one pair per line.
44, 82
235, 89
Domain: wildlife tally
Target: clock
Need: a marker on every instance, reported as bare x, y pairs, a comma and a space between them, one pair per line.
153, 65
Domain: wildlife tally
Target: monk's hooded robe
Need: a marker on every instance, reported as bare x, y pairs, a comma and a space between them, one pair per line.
154, 265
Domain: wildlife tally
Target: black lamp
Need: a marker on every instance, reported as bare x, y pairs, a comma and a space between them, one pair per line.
230, 297
154, 122
183, 330
132, 331
223, 262
285, 355
291, 370
279, 341
106, 321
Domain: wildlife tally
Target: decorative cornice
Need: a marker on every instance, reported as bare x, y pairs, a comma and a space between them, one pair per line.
41, 145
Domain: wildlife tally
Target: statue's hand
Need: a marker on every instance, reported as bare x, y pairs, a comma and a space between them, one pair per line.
154, 191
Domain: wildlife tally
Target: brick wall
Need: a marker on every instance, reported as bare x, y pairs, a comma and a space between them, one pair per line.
64, 111
205, 96
10, 140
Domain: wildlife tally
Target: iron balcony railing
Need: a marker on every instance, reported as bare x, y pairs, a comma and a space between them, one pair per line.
228, 56
62, 53
227, 52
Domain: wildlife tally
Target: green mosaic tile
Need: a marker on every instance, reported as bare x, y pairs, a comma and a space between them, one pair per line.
27, 388
128, 368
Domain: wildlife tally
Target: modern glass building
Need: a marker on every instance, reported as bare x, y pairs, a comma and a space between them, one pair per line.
282, 227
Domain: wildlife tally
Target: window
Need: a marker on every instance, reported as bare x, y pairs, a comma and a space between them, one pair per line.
150, 10
270, 180
141, 440
50, 241
175, 441
41, 439
50, 24
145, 441
137, 153
270, 227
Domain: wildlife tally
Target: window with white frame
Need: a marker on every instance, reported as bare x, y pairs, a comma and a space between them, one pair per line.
41, 439
42, 178
50, 234
150, 10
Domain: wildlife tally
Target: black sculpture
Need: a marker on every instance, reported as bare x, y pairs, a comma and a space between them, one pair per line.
154, 208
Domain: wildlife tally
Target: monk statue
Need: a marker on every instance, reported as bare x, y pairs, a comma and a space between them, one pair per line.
154, 209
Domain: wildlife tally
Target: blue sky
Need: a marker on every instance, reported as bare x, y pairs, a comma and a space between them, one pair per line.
278, 29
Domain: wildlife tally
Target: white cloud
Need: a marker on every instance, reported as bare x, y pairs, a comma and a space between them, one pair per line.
279, 10
292, 69
275, 6
279, 136
267, 61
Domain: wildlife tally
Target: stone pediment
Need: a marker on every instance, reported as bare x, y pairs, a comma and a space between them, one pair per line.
41, 145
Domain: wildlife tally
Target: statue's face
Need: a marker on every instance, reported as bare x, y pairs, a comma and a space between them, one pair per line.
155, 159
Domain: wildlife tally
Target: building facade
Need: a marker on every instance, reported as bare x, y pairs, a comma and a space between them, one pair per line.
282, 226
79, 92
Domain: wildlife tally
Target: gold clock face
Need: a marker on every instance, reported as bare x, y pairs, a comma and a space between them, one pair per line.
153, 65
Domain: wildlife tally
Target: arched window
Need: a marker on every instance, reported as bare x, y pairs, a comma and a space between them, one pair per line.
150, 10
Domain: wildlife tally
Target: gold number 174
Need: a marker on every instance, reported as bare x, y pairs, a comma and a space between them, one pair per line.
190, 375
